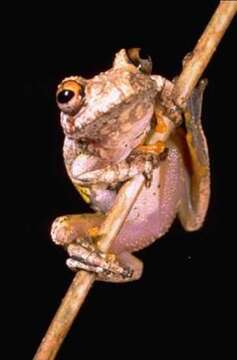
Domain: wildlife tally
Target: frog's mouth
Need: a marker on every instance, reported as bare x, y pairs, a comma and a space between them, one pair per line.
68, 125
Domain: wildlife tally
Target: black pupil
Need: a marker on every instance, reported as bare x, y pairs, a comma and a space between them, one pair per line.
64, 96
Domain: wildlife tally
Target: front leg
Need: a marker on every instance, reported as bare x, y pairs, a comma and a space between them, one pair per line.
138, 162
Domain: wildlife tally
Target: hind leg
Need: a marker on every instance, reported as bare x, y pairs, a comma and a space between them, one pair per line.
79, 235
66, 229
196, 169
129, 261
117, 269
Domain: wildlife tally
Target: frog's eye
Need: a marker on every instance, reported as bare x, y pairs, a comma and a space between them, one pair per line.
69, 96
64, 96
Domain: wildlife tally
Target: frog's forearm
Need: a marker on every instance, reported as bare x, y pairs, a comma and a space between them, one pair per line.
120, 172
115, 173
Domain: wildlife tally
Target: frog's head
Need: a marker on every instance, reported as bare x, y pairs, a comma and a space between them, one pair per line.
88, 105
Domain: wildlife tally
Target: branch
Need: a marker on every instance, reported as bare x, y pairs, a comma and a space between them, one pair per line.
82, 282
197, 61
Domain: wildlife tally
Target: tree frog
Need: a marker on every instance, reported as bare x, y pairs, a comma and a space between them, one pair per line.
107, 121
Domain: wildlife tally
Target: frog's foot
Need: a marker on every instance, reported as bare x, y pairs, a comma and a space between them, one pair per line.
86, 256
129, 261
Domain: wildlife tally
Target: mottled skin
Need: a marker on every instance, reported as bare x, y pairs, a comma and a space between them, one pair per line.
106, 119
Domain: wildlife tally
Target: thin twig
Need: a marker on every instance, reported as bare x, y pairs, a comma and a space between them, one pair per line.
197, 61
82, 282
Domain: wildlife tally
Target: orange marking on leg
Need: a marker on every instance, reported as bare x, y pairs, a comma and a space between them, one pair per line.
158, 147
161, 126
94, 231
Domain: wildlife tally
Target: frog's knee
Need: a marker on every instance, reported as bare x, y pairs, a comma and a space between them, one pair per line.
61, 231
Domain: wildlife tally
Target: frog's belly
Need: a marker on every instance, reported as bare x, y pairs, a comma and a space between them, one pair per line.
155, 208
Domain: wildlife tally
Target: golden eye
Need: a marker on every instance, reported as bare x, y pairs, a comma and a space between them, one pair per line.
69, 96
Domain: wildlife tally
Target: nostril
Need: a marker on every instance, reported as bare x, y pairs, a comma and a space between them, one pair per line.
65, 96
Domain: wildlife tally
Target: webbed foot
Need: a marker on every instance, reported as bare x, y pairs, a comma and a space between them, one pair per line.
86, 256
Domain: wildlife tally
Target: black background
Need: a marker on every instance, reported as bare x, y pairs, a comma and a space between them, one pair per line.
177, 305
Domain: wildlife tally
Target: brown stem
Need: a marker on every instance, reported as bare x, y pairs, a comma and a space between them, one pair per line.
196, 62
83, 281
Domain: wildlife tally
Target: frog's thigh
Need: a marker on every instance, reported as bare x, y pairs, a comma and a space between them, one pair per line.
127, 260
65, 229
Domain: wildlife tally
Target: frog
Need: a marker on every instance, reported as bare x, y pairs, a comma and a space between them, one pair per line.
107, 122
